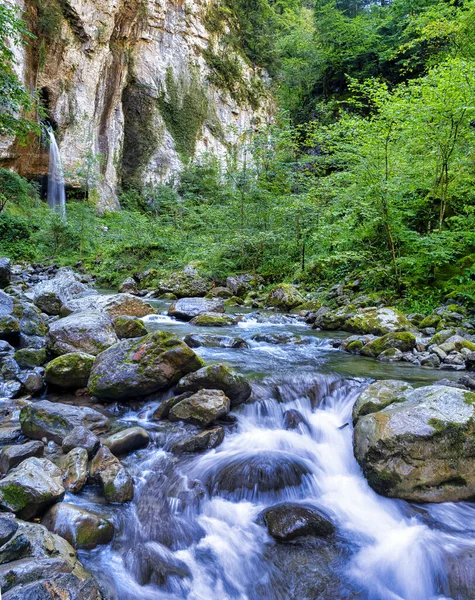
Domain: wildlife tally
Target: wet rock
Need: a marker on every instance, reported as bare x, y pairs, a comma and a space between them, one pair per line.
265, 471
9, 328
9, 389
186, 309
134, 368
204, 440
284, 297
403, 341
9, 368
31, 381
82, 529
201, 408
288, 521
50, 295
240, 285
470, 361
30, 487
10, 435
31, 357
12, 456
8, 528
163, 410
184, 284
5, 349
54, 585
432, 361
90, 332
81, 437
279, 338
5, 272
218, 377
153, 564
212, 319
207, 340
127, 440
128, 286
422, 449
379, 321
55, 421
116, 481
114, 305
70, 370
293, 419
468, 382
74, 467
380, 394
129, 327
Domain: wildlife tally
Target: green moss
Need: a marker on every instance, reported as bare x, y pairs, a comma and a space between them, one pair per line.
382, 481
14, 496
212, 321
30, 357
403, 341
184, 108
469, 398
354, 346
430, 321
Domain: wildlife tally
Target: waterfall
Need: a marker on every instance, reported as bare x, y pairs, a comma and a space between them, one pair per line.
56, 191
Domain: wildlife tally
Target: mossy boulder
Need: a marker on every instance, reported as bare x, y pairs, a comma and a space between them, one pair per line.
218, 377
116, 482
202, 408
70, 370
129, 327
32, 486
9, 328
184, 284
403, 341
211, 319
82, 529
240, 285
31, 357
378, 395
332, 320
90, 332
379, 321
284, 297
430, 321
421, 449
138, 367
55, 421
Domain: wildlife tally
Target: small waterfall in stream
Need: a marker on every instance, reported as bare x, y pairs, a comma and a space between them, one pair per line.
56, 189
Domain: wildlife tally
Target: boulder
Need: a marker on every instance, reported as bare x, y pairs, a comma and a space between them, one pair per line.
379, 321
70, 370
284, 297
5, 272
138, 367
403, 341
74, 467
212, 319
82, 529
380, 394
422, 449
31, 381
279, 338
81, 437
293, 419
114, 305
184, 284
288, 521
116, 481
240, 285
218, 377
154, 564
31, 357
392, 355
128, 286
331, 320
129, 327
209, 340
12, 456
50, 295
53, 421
127, 440
201, 408
90, 332
186, 309
164, 408
204, 440
221, 292
32, 486
9, 328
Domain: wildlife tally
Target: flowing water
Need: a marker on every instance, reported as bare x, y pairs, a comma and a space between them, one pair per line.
192, 531
56, 189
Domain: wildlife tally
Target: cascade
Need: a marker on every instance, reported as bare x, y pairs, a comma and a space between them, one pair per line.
56, 190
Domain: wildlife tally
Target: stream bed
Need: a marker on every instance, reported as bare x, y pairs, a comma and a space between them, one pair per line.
192, 531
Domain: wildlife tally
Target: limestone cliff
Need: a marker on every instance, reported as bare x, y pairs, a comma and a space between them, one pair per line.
134, 88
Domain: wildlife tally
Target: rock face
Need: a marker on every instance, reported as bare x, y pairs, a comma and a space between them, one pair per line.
188, 308
55, 421
421, 449
81, 528
218, 377
115, 305
90, 332
138, 74
134, 368
30, 487
70, 370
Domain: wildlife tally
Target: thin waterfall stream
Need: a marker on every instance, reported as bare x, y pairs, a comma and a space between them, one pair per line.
56, 188
193, 531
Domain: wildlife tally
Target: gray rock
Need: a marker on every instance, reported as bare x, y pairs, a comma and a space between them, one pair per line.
154, 564
164, 408
54, 421
380, 394
29, 488
378, 321
218, 377
240, 285
201, 408
432, 361
116, 481
70, 370
209, 340
12, 456
127, 440
74, 467
81, 528
204, 440
186, 309
184, 284
134, 368
5, 272
50, 295
284, 297
90, 332
32, 381
288, 521
9, 389
8, 528
128, 286
81, 437
422, 449
129, 327
115, 305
